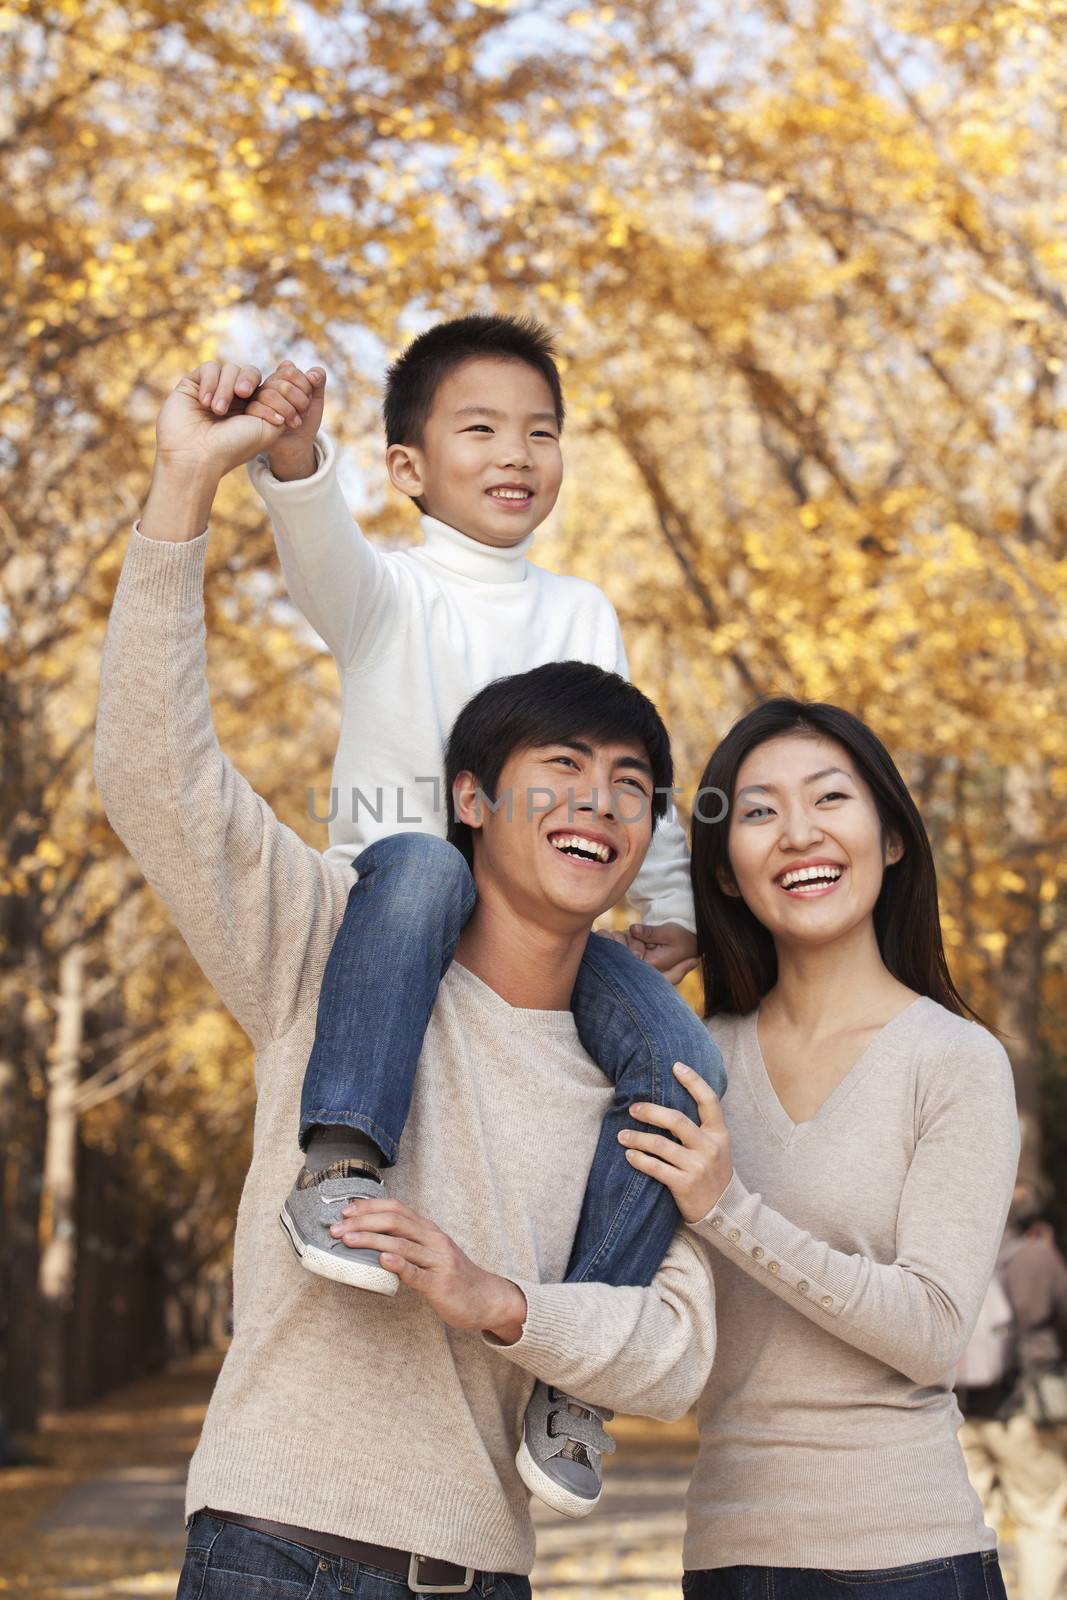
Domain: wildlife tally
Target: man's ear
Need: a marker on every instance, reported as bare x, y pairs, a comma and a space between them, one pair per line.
405, 466
467, 800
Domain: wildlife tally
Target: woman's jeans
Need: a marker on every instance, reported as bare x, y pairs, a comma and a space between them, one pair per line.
227, 1562
404, 916
973, 1577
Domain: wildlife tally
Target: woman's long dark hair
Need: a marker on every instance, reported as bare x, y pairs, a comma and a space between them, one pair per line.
737, 956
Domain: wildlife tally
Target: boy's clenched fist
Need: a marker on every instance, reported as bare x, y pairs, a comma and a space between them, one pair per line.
299, 398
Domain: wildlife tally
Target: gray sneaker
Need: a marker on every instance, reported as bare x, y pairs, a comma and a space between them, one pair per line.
563, 1440
314, 1203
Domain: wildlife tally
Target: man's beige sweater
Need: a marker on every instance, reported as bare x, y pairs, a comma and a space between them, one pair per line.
851, 1256
344, 1412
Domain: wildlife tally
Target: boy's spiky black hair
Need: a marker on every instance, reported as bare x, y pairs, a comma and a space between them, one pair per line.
415, 377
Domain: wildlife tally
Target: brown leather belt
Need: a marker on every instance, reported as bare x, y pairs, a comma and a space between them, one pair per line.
424, 1575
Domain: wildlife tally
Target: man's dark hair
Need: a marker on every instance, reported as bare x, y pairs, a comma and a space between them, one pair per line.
554, 704
414, 379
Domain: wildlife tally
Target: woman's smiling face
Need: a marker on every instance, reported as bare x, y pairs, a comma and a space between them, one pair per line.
805, 840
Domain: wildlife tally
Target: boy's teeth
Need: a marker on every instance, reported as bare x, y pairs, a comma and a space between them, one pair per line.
575, 842
510, 494
811, 875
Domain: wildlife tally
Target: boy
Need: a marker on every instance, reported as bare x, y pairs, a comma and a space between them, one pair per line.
473, 413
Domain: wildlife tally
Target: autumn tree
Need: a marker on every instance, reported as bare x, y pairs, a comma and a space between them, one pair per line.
806, 265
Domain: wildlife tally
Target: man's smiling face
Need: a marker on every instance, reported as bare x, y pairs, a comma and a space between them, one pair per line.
489, 461
567, 832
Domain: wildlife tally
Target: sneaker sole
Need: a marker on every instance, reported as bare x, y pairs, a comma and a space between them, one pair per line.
547, 1489
327, 1264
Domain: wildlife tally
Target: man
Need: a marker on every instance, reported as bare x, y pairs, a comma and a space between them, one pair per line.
369, 1442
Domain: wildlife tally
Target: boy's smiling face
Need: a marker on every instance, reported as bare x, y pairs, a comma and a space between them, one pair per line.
489, 463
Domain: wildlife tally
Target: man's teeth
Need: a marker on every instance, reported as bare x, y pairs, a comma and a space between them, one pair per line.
573, 844
810, 875
510, 494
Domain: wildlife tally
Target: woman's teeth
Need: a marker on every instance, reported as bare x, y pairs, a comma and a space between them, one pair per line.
807, 877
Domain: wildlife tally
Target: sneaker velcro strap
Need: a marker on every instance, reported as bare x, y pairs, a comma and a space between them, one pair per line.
580, 1429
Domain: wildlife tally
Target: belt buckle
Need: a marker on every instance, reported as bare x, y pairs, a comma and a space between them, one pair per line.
437, 1588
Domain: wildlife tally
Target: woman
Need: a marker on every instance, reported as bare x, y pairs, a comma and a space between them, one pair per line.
855, 1207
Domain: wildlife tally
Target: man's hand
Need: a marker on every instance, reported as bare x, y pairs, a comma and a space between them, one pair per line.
697, 1169
432, 1264
287, 391
203, 428
668, 947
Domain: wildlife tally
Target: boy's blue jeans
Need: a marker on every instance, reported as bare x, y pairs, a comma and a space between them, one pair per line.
413, 894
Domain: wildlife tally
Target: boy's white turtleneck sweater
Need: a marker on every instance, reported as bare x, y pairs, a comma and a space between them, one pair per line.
415, 633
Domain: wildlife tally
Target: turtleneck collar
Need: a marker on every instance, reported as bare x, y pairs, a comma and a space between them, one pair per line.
484, 563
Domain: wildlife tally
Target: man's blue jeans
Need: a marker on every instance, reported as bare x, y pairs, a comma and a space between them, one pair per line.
972, 1577
227, 1562
412, 896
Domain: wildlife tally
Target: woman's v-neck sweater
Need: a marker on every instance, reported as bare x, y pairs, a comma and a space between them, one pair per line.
851, 1255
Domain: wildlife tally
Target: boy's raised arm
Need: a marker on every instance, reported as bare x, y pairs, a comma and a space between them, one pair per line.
335, 576
257, 906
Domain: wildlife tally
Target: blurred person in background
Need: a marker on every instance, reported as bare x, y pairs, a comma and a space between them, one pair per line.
1012, 1389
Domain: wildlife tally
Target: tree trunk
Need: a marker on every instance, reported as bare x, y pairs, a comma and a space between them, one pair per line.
59, 1185
1020, 979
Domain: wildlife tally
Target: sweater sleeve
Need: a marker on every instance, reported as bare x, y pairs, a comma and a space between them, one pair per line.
257, 907
335, 576
646, 1351
917, 1313
662, 890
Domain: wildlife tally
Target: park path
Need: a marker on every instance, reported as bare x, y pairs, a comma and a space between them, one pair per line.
98, 1516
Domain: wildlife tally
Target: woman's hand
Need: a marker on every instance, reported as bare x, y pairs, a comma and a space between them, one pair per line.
699, 1168
428, 1261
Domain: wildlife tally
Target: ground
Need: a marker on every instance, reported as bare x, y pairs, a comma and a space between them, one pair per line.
98, 1516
